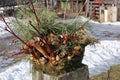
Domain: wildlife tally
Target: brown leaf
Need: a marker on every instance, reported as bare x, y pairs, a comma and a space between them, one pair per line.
41, 50
77, 47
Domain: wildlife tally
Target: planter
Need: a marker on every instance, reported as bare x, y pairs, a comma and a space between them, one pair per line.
63, 65
80, 73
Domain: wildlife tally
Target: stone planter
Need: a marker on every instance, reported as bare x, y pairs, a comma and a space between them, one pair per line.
78, 74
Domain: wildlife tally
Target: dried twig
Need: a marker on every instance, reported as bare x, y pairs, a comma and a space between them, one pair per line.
34, 11
19, 52
43, 40
81, 26
40, 35
108, 74
82, 7
8, 29
80, 11
30, 22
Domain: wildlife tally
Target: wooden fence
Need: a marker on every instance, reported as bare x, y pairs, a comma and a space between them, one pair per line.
94, 7
118, 11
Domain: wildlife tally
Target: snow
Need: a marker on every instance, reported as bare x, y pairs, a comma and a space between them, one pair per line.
101, 56
98, 57
20, 71
3, 33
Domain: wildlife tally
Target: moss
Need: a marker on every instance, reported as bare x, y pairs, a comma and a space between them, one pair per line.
114, 74
63, 66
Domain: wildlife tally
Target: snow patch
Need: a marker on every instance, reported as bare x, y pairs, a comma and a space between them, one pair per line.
100, 57
20, 71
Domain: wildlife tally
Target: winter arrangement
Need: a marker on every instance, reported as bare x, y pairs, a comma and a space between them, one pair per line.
54, 47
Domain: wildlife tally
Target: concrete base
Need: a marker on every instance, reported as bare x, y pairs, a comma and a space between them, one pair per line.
79, 74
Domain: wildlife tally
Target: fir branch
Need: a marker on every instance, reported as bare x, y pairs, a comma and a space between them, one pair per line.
81, 26
40, 35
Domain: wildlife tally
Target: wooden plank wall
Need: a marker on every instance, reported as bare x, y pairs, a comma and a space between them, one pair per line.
118, 13
94, 8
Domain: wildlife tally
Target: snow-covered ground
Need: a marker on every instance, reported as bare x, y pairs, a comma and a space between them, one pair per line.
3, 33
19, 71
99, 57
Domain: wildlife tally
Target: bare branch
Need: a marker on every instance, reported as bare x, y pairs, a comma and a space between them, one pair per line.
34, 11
19, 52
8, 29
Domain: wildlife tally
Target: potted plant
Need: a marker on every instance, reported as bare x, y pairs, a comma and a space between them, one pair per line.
54, 47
